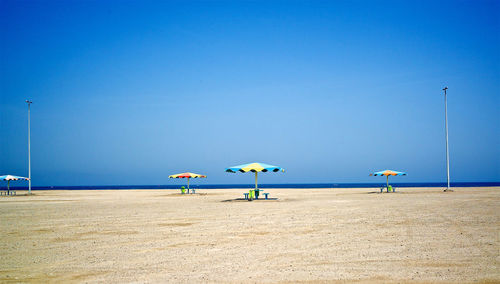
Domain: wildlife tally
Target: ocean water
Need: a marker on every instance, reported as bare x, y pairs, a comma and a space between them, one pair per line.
283, 185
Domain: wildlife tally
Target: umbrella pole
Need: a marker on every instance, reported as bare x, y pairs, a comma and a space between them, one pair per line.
8, 186
387, 183
188, 185
255, 180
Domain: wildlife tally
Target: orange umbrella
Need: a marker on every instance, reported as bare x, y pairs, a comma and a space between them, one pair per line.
388, 173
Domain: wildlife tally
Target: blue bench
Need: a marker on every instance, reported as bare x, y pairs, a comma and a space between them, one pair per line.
392, 189
266, 194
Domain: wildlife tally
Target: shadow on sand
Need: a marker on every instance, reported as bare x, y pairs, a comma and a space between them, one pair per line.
255, 200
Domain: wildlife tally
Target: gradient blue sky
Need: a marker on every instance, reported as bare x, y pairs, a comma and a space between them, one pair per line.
129, 92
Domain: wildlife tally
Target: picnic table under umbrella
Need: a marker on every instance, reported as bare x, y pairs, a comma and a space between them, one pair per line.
254, 167
388, 173
8, 178
188, 176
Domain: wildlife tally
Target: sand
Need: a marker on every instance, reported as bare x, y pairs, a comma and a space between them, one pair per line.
308, 235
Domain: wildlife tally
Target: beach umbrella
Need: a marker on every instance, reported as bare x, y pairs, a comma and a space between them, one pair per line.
254, 167
188, 176
8, 178
388, 173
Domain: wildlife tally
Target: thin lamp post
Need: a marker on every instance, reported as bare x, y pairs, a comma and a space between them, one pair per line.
447, 150
29, 147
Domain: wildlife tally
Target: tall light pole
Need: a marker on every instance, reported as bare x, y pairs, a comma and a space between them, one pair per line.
29, 147
447, 150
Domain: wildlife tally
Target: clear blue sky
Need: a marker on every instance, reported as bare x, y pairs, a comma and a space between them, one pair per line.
128, 92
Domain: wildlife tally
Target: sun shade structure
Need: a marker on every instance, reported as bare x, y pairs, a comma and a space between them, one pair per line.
254, 167
8, 178
188, 176
388, 173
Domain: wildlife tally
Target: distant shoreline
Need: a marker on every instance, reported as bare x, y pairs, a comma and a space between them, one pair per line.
285, 185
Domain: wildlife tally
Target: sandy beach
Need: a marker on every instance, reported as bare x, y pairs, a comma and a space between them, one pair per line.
307, 235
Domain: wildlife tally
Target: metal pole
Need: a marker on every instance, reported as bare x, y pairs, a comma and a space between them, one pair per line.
188, 185
447, 150
29, 146
255, 180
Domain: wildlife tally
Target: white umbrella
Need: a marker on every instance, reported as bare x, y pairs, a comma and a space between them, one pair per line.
8, 178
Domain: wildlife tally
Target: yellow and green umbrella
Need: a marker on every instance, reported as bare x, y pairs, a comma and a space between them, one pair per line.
188, 176
254, 167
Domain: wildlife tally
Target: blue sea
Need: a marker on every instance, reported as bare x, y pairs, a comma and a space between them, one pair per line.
283, 185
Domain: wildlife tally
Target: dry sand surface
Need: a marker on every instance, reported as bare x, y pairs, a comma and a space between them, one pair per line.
308, 235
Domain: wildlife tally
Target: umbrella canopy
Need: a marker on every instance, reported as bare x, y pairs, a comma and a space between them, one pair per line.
188, 176
8, 178
254, 167
388, 173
